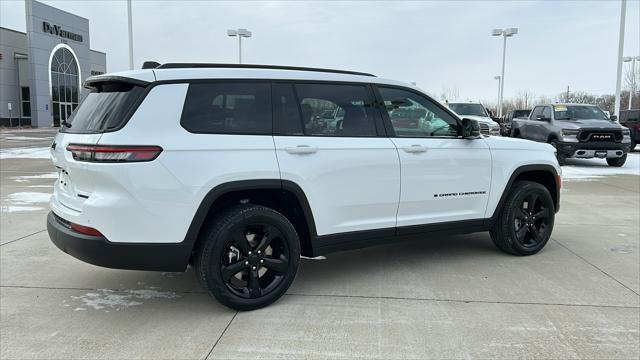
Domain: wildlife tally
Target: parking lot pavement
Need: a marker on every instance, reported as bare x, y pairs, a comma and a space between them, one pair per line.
445, 297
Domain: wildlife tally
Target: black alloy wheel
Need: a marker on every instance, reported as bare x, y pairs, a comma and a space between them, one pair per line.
525, 221
248, 256
531, 221
255, 260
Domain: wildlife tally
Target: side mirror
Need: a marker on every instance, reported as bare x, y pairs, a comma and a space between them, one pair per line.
613, 118
542, 118
470, 128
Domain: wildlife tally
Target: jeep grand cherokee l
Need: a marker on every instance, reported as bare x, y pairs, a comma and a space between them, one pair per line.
220, 167
576, 130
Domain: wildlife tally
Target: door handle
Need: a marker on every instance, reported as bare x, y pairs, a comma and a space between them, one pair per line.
414, 149
301, 149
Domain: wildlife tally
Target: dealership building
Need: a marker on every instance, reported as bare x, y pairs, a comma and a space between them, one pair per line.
42, 70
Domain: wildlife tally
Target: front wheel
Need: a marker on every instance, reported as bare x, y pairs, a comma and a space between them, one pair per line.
617, 162
526, 220
248, 257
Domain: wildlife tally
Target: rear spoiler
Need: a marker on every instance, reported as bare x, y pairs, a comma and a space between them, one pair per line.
93, 81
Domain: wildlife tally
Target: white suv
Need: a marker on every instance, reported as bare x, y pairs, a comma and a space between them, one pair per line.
232, 169
477, 111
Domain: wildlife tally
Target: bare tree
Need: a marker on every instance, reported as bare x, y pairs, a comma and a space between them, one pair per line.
450, 93
523, 99
632, 83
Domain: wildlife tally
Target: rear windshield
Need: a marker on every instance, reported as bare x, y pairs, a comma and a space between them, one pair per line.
105, 108
468, 109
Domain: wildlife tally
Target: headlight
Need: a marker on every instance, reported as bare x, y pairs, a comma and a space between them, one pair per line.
626, 135
626, 132
570, 132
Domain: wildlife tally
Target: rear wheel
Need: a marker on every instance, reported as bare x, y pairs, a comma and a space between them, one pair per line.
526, 220
633, 144
248, 257
617, 162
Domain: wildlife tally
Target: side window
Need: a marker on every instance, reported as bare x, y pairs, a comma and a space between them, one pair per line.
546, 112
228, 108
336, 110
286, 112
413, 115
536, 111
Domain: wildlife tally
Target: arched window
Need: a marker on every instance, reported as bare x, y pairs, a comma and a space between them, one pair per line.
64, 84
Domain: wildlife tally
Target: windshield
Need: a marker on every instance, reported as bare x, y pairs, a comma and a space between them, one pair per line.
521, 113
468, 109
105, 108
578, 112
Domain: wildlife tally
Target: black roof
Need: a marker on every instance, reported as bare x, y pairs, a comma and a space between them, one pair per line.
255, 66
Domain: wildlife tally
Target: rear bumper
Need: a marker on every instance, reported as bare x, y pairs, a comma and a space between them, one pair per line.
97, 250
588, 149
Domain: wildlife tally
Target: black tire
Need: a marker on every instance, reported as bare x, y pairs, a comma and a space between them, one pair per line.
617, 162
521, 230
248, 257
562, 160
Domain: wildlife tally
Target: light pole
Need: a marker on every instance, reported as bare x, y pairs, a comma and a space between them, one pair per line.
240, 33
130, 22
505, 33
497, 77
633, 75
623, 11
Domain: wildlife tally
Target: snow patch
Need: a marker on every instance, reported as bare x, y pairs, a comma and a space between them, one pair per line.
314, 258
118, 300
11, 209
27, 178
25, 153
27, 198
590, 169
28, 138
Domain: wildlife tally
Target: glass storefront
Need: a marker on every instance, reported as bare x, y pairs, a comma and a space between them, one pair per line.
64, 85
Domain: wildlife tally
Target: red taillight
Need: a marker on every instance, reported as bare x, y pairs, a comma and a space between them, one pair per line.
85, 230
113, 153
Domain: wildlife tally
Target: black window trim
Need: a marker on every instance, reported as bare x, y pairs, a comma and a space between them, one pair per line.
387, 120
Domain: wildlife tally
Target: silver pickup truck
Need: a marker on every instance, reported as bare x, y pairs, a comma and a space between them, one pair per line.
576, 131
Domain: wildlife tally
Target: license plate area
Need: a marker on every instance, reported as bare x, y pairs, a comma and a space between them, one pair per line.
64, 180
601, 154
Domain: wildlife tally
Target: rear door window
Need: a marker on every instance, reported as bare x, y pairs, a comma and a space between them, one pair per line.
228, 108
106, 108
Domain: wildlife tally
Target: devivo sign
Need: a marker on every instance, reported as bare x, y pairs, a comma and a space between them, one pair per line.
57, 30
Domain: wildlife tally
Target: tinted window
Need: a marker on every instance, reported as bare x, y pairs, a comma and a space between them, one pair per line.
286, 111
105, 108
336, 110
228, 108
413, 115
546, 112
536, 111
468, 109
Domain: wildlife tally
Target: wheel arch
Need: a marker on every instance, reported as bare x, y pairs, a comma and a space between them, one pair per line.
283, 196
545, 175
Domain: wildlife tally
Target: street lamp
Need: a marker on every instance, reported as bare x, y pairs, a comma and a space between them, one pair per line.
505, 33
240, 33
497, 77
632, 59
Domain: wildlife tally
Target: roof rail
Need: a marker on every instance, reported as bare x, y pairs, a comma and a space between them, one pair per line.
254, 66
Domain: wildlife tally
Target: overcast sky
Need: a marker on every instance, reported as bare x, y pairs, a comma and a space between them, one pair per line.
438, 45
